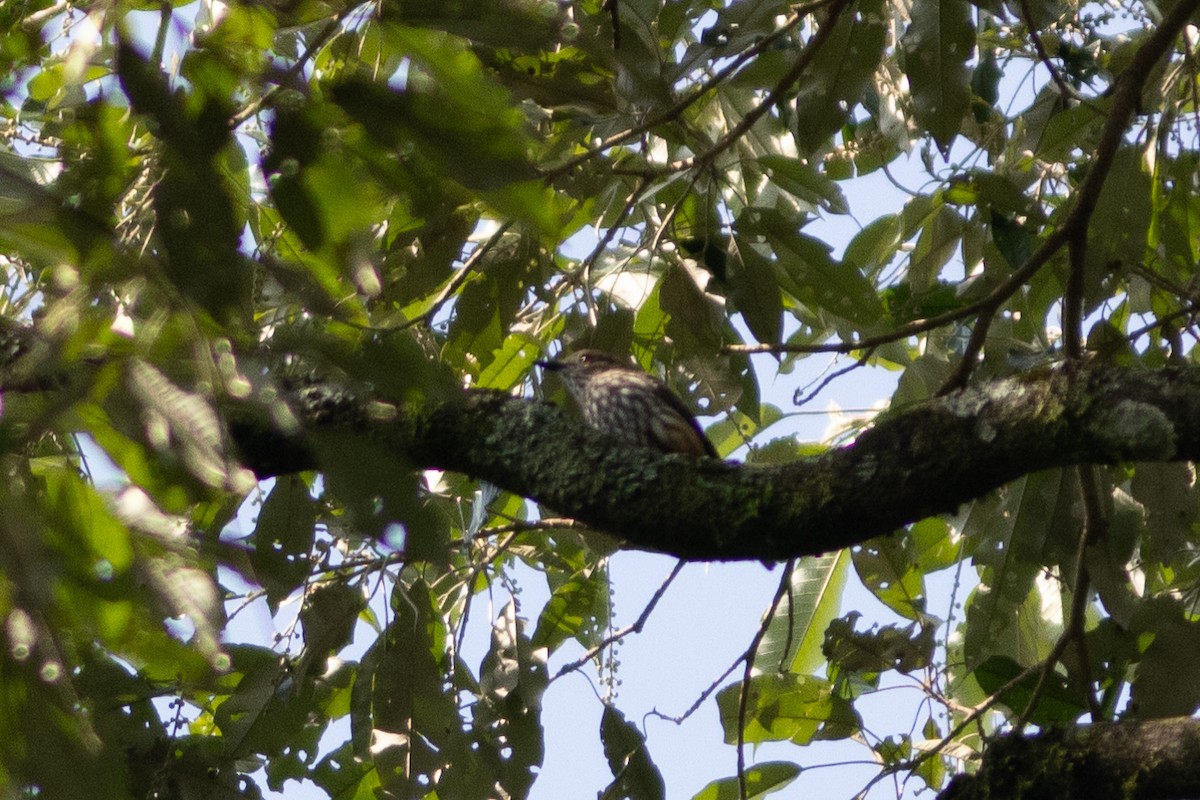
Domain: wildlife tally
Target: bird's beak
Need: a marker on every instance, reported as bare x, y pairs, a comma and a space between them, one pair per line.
549, 364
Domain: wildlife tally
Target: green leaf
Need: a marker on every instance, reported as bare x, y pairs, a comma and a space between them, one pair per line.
808, 272
634, 775
35, 223
82, 514
933, 770
1165, 683
283, 539
839, 75
245, 708
786, 707
761, 780
1057, 704
875, 245
886, 567
1167, 495
512, 679
881, 649
328, 616
935, 246
999, 622
934, 545
1052, 128
184, 424
797, 628
805, 182
937, 45
693, 321
1007, 535
737, 429
200, 233
342, 774
1175, 226
1117, 233
411, 720
758, 296
183, 589
512, 362
380, 491
488, 305
577, 609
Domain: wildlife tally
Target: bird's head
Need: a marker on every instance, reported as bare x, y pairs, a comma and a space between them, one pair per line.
577, 370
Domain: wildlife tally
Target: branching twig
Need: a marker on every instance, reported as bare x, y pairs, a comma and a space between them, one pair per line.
811, 48
1126, 99
976, 712
1094, 522
676, 110
712, 687
525, 526
799, 400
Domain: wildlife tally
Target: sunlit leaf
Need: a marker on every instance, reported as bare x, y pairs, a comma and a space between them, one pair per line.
760, 780
797, 629
785, 707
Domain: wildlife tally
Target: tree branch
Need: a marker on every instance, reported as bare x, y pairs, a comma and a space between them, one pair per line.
1148, 759
912, 464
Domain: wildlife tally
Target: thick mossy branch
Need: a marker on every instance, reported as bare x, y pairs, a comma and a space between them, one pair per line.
1109, 761
911, 464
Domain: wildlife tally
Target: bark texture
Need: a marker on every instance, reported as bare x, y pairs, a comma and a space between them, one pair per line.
1110, 761
909, 465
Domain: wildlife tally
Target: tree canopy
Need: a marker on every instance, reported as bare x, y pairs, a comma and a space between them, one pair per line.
296, 259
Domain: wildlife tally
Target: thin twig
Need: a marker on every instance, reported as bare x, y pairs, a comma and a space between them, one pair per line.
160, 38
799, 400
789, 79
781, 591
676, 110
636, 627
1126, 97
1073, 295
459, 278
525, 526
1094, 527
33, 21
712, 687
970, 356
1064, 87
1160, 281
468, 584
292, 72
976, 712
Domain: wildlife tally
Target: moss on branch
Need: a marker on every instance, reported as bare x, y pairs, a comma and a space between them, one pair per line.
910, 464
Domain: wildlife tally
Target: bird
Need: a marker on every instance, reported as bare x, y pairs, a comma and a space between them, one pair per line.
629, 405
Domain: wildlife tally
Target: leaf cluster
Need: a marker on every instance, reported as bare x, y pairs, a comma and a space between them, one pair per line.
207, 209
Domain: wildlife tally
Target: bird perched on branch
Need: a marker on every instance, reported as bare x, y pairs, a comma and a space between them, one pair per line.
628, 404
